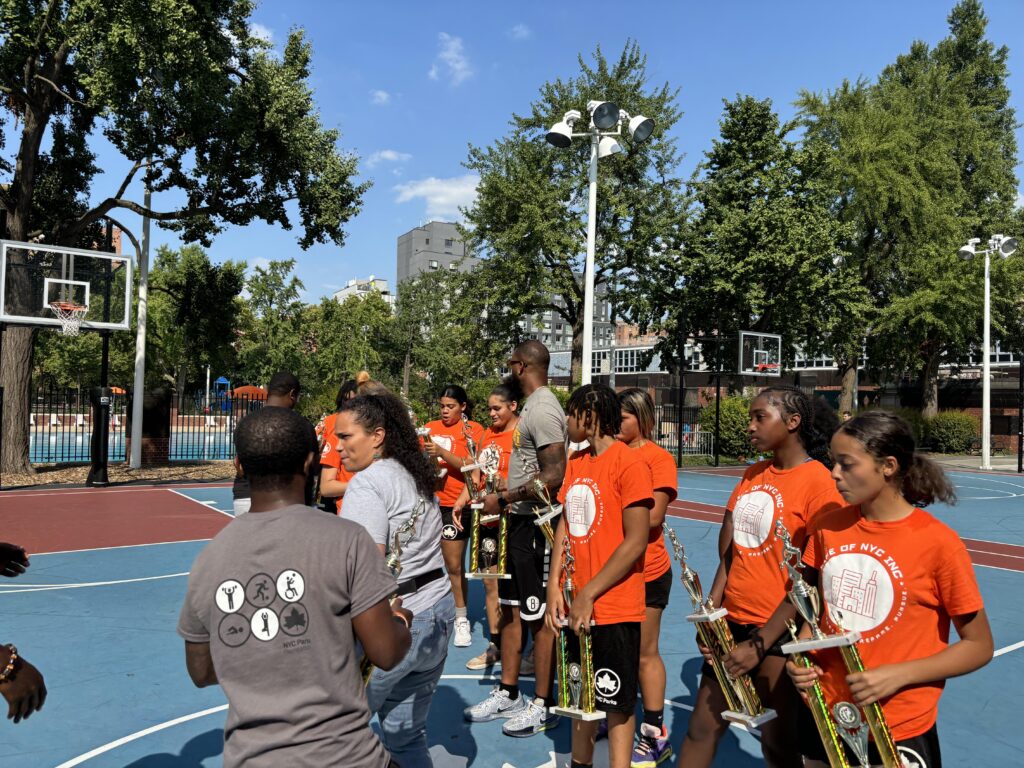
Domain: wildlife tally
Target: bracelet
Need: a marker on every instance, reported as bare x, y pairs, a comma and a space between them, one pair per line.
8, 671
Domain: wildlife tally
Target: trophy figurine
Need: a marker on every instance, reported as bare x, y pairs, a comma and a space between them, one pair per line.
488, 552
543, 521
744, 704
576, 694
843, 717
393, 561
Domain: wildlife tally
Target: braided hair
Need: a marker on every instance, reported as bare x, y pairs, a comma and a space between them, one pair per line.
596, 402
817, 424
382, 410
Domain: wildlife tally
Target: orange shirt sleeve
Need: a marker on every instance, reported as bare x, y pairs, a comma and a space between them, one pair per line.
329, 456
635, 486
663, 472
957, 585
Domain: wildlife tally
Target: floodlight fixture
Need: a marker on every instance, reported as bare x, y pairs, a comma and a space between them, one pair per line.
640, 128
1007, 245
560, 134
604, 114
608, 146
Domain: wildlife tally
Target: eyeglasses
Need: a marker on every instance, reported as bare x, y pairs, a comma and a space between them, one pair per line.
510, 363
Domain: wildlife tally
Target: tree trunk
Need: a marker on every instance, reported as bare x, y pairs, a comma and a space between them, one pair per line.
930, 386
16, 377
848, 395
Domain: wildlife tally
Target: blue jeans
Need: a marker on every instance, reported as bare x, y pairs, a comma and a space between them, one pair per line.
401, 697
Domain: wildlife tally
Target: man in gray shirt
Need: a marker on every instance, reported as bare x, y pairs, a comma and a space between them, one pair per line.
274, 605
538, 454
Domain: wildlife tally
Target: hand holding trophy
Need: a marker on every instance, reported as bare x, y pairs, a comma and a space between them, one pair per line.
741, 697
488, 552
576, 694
843, 719
543, 521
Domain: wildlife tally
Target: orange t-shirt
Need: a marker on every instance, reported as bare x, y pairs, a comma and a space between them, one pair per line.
594, 493
897, 584
666, 479
756, 583
329, 456
453, 439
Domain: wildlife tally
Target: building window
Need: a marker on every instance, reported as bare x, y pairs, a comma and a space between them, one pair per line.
452, 267
433, 264
448, 242
426, 241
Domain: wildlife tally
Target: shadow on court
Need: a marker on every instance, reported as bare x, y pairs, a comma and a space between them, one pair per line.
196, 750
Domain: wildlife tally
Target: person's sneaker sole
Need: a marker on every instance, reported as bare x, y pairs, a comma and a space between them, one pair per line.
544, 726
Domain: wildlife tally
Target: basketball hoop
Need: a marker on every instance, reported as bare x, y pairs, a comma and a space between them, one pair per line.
70, 316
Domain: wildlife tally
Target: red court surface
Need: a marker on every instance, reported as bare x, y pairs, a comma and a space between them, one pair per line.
89, 518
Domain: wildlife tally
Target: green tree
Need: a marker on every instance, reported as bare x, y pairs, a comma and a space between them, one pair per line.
529, 219
271, 336
191, 99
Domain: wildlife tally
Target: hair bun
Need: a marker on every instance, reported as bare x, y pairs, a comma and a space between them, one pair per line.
362, 377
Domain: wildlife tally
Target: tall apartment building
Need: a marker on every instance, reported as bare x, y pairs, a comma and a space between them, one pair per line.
361, 288
436, 245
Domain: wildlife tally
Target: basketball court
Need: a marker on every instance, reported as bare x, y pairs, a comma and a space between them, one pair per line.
97, 612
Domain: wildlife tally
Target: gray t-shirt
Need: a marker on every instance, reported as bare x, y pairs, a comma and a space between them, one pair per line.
274, 594
541, 423
381, 498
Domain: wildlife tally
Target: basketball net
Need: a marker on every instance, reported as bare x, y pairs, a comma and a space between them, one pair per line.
70, 316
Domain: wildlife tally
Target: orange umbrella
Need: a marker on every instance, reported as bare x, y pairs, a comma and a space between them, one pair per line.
249, 391
116, 391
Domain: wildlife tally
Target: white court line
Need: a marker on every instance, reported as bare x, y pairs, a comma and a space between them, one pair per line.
119, 546
139, 734
213, 710
51, 587
202, 504
1009, 649
93, 491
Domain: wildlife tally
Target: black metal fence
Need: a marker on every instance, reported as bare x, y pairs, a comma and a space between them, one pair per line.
697, 439
60, 426
204, 431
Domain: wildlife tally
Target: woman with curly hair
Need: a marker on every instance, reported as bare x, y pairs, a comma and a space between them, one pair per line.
394, 480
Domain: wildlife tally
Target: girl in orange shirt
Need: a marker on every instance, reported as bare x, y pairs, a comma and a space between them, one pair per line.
894, 573
637, 425
502, 407
333, 475
607, 495
793, 487
448, 445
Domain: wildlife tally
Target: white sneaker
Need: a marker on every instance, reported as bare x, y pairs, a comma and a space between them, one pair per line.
463, 633
497, 704
530, 720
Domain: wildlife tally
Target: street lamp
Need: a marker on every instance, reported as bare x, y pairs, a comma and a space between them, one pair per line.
604, 116
1004, 246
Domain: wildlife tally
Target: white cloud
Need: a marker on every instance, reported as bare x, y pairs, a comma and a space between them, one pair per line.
452, 58
380, 98
387, 156
520, 32
443, 197
264, 33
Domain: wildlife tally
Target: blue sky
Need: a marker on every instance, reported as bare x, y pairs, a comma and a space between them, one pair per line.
410, 84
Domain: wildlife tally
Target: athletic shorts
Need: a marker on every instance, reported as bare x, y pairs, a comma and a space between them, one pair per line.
528, 560
741, 633
448, 530
658, 590
918, 752
616, 651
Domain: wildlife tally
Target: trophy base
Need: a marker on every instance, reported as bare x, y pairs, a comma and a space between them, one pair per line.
832, 641
483, 576
556, 510
697, 618
489, 519
576, 714
751, 721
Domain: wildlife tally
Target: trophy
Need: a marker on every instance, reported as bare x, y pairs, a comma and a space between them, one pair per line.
843, 718
576, 694
744, 704
488, 552
543, 521
403, 535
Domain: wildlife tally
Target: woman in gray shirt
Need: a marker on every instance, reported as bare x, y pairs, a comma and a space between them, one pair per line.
394, 481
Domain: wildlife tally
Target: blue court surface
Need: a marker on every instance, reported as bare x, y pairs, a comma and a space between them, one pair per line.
100, 625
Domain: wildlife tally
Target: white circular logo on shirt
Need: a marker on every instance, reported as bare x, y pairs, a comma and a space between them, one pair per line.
230, 596
858, 591
290, 586
580, 509
264, 624
752, 519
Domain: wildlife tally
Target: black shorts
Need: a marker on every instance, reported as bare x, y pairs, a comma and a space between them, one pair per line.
528, 560
741, 633
616, 651
657, 590
448, 530
918, 752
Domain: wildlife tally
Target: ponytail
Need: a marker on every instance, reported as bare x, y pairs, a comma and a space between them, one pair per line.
924, 482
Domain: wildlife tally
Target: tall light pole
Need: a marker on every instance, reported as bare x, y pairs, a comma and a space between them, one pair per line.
604, 115
1004, 246
139, 386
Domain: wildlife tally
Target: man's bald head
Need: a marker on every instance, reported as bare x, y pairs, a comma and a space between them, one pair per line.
534, 354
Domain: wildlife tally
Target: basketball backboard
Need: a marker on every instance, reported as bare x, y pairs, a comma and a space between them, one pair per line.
760, 354
32, 276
